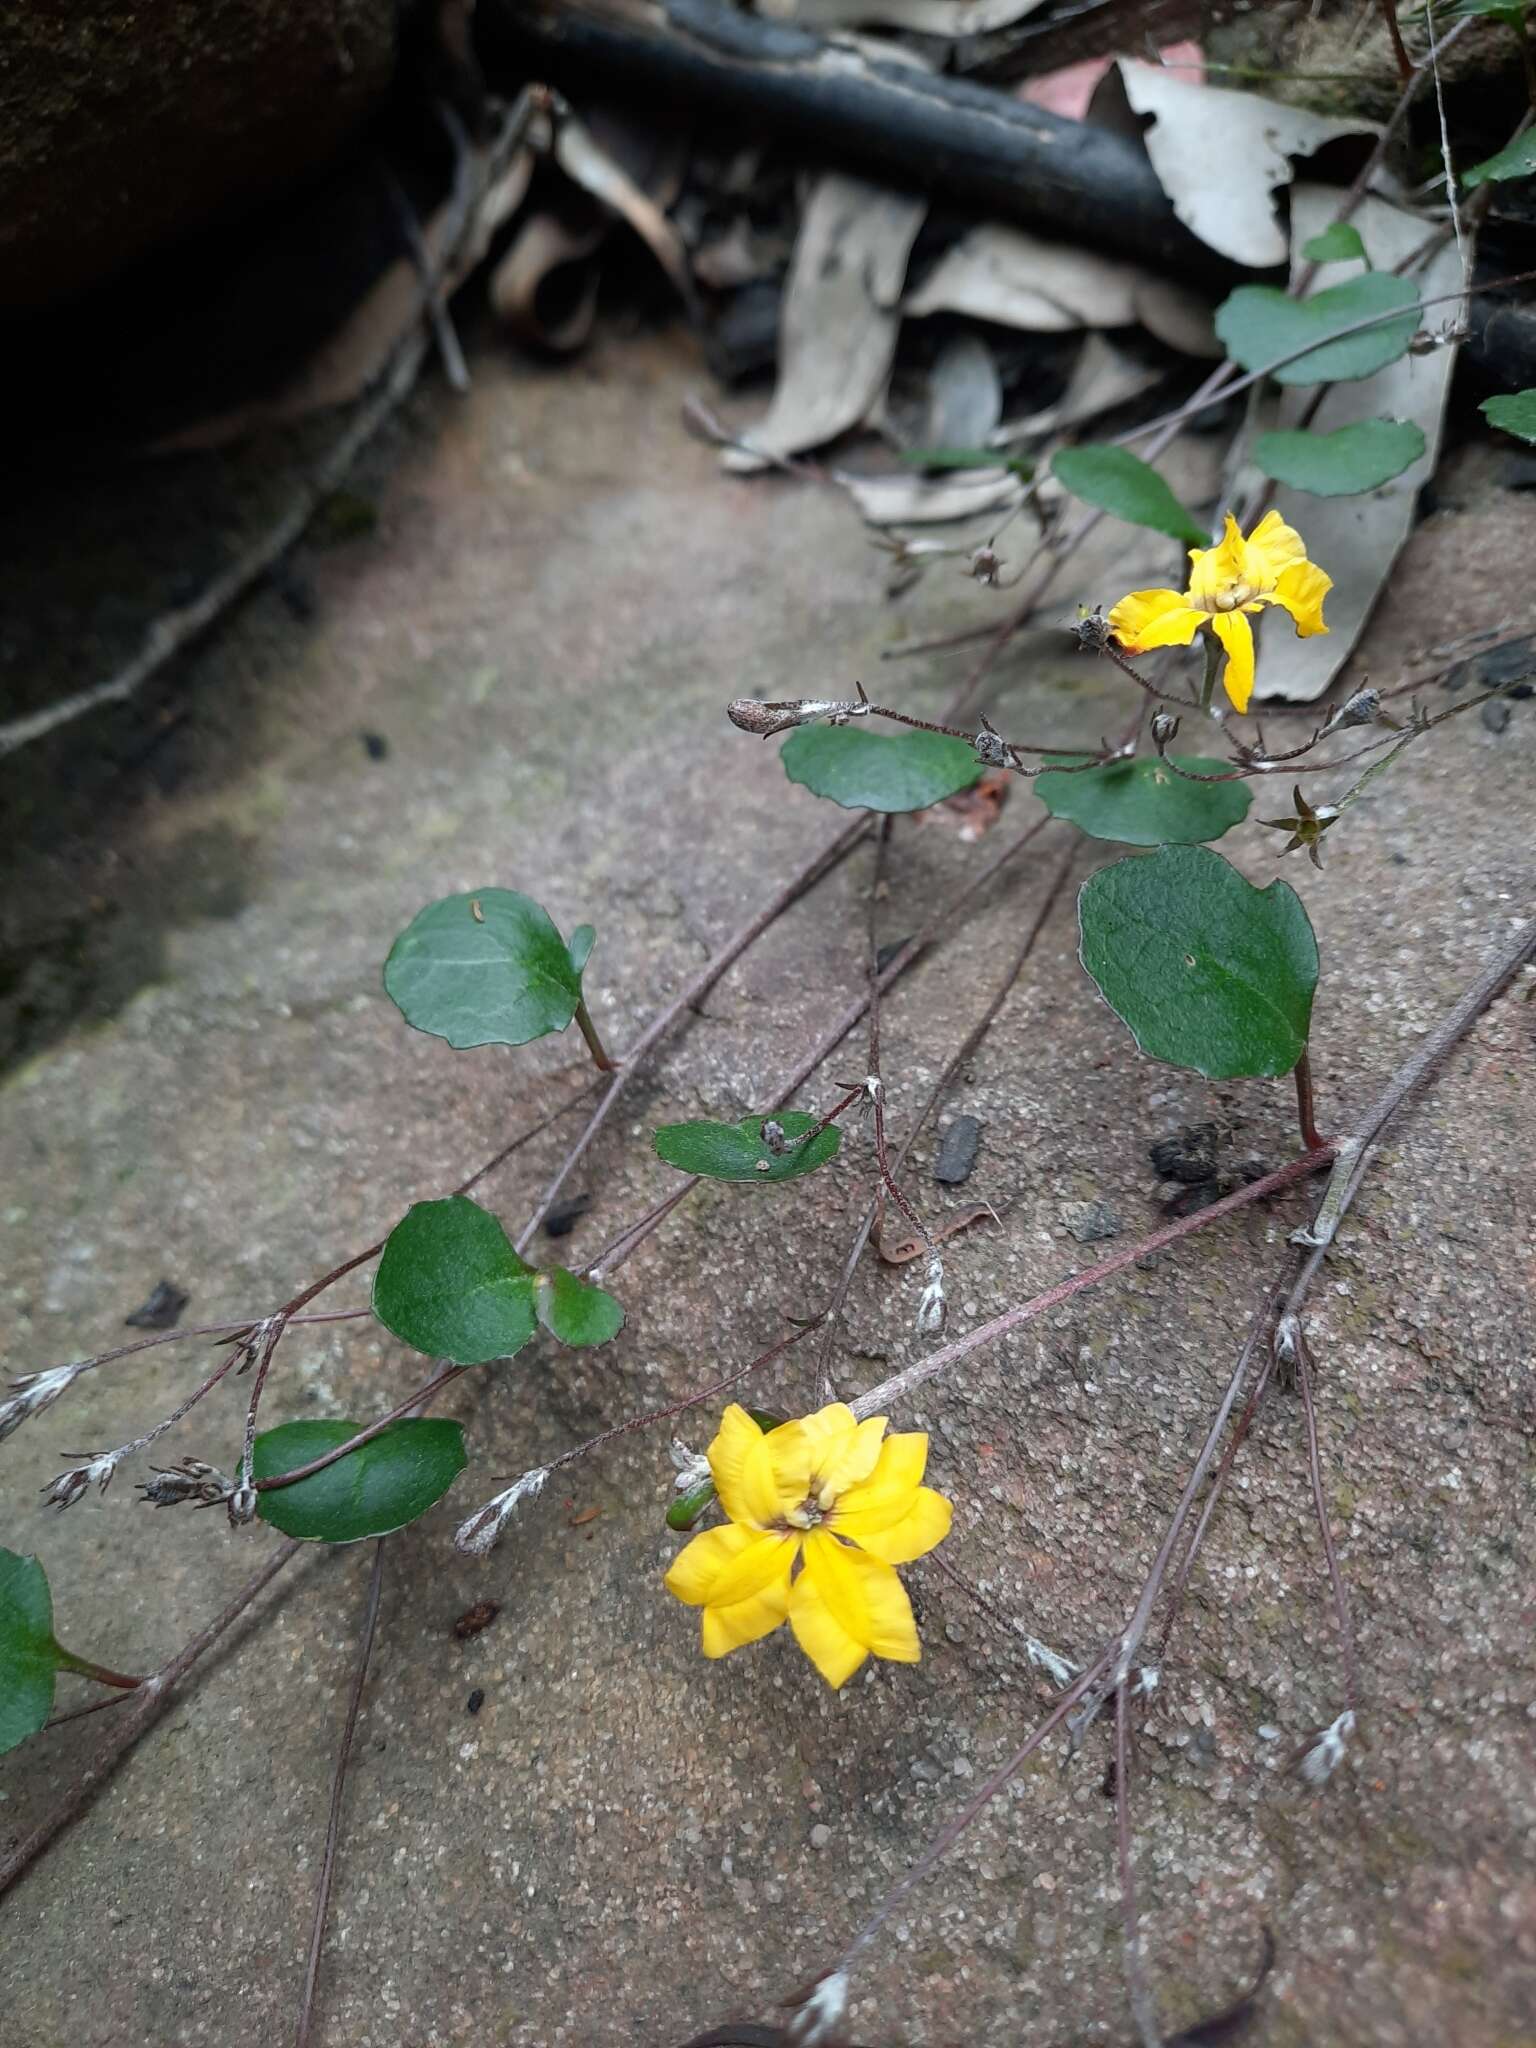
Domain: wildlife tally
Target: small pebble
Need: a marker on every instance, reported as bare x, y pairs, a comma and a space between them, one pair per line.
821, 1834
161, 1311
1495, 715
476, 1700
1188, 1155
564, 1216
1090, 1222
957, 1151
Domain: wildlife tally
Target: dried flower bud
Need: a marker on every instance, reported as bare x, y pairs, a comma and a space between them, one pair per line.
240, 1506
984, 565
752, 715
482, 1531
1165, 728
190, 1480
34, 1392
991, 751
1092, 628
1323, 1755
774, 1138
69, 1486
692, 1467
1361, 709
817, 2014
930, 1309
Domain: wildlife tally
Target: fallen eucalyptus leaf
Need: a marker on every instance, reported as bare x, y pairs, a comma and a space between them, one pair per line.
921, 501
838, 328
1220, 155
1357, 539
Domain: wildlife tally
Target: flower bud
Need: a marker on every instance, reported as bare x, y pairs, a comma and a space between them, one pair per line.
1165, 728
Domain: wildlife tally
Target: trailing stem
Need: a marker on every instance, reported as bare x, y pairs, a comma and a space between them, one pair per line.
595, 1045
1305, 1111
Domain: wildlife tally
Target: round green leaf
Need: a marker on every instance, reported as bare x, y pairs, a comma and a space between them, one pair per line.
1340, 243
1343, 463
1207, 971
737, 1151
573, 1311
451, 1285
1257, 324
1516, 159
873, 771
486, 969
1142, 802
383, 1484
1121, 483
1514, 411
29, 1657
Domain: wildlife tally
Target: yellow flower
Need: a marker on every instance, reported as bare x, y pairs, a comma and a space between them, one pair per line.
1227, 581
828, 1493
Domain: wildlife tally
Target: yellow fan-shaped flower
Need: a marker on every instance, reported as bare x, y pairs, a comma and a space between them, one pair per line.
1227, 582
838, 1498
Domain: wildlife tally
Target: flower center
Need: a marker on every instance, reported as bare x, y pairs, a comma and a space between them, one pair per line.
1228, 597
809, 1514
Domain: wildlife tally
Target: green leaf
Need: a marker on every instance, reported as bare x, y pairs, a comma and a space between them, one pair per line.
1510, 12
1343, 463
1257, 324
573, 1311
451, 1285
1514, 411
872, 771
737, 1151
1516, 159
1339, 244
29, 1657
967, 458
1142, 802
1207, 971
486, 969
1121, 483
383, 1484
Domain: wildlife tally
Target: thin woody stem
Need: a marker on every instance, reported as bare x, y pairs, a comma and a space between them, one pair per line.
148, 1702
338, 1785
595, 1045
1213, 654
1305, 1112
68, 1661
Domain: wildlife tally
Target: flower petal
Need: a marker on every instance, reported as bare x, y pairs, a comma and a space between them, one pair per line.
920, 1529
1211, 570
1236, 635
1271, 548
1301, 589
892, 1514
1154, 618
728, 1564
846, 1606
759, 1477
740, 1578
843, 1449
